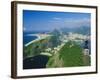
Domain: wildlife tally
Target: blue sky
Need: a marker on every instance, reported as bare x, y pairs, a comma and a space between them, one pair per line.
47, 20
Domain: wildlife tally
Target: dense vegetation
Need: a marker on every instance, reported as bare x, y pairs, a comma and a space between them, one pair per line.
40, 46
69, 55
35, 48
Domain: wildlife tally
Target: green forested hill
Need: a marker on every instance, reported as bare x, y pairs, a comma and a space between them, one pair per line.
69, 55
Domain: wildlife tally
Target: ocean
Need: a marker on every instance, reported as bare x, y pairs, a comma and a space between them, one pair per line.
27, 38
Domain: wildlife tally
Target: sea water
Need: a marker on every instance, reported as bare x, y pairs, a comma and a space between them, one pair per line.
27, 38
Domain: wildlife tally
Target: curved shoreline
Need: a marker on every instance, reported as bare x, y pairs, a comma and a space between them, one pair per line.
39, 37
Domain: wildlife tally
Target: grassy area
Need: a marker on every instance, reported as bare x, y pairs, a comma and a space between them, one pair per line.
70, 55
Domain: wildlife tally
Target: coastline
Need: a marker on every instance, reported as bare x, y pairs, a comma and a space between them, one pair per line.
39, 37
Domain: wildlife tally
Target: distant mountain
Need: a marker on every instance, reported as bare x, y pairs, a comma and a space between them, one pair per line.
85, 30
56, 32
54, 40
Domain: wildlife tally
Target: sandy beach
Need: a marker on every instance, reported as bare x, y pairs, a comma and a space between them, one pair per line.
39, 37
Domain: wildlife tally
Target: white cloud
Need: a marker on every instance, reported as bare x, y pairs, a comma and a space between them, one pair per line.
57, 18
